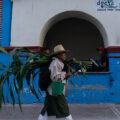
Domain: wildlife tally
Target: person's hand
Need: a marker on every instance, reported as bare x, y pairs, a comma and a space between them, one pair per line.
68, 75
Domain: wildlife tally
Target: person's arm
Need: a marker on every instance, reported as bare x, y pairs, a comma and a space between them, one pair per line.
55, 75
58, 76
67, 75
103, 62
103, 65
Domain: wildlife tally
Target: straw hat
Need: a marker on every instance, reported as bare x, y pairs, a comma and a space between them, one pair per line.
58, 49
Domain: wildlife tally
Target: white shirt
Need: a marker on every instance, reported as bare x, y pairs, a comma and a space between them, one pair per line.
56, 73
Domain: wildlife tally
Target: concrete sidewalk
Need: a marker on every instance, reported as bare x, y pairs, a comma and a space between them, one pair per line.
78, 111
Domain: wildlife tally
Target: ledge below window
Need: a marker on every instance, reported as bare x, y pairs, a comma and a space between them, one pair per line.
95, 73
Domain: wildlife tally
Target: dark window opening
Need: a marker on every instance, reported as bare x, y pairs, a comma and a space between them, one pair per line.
79, 36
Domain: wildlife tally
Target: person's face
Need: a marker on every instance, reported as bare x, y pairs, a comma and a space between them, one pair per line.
47, 51
62, 56
101, 53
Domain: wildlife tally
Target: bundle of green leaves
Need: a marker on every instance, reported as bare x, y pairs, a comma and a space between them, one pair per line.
20, 70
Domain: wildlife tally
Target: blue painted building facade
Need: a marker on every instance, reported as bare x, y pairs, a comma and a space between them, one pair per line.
99, 87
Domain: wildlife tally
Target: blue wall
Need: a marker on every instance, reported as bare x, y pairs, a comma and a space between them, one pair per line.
6, 34
95, 88
6, 23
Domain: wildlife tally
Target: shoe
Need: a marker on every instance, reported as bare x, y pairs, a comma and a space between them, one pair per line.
69, 118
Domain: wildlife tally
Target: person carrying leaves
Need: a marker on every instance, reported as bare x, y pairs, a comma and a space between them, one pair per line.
55, 101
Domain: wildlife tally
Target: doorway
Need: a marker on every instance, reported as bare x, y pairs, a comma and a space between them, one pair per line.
77, 35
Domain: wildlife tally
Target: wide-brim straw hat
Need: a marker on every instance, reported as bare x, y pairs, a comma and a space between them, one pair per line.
58, 50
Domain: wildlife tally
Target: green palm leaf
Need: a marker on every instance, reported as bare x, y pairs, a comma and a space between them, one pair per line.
3, 50
12, 95
20, 70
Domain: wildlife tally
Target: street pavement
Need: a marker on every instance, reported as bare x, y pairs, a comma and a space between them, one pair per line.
79, 112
